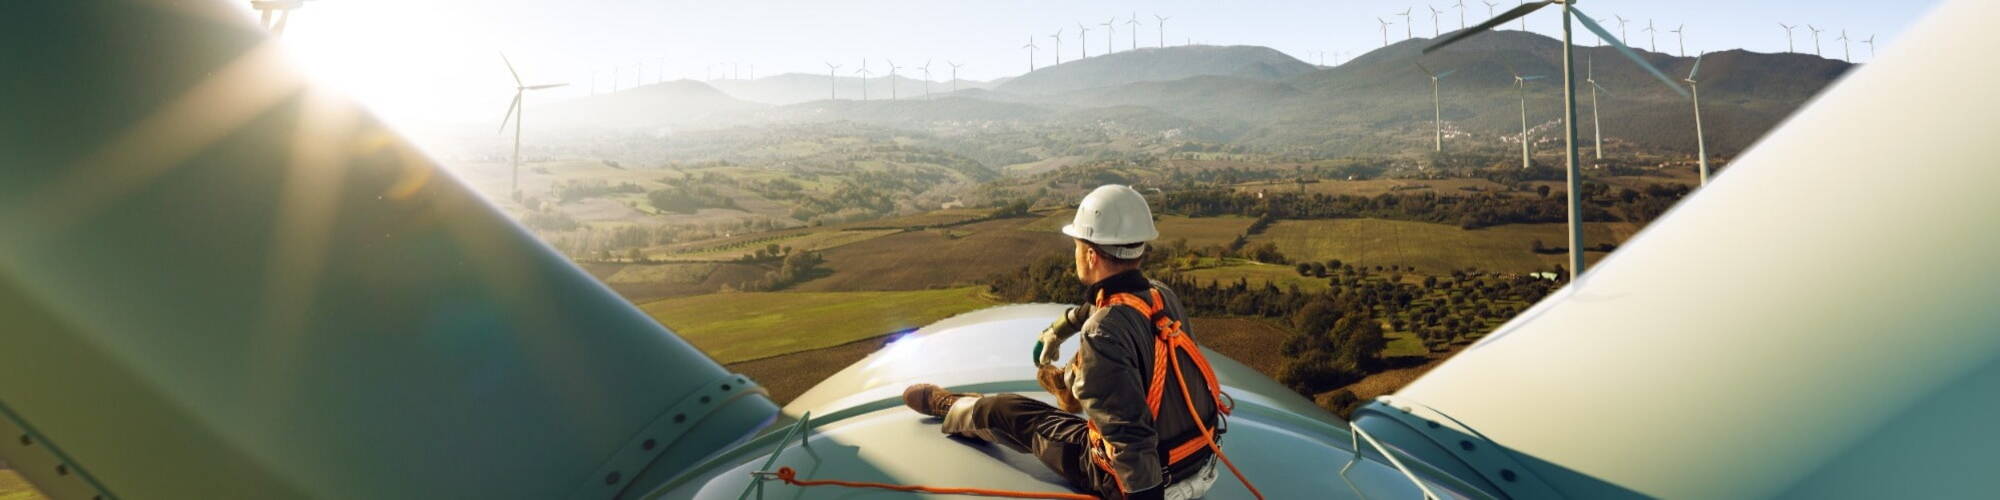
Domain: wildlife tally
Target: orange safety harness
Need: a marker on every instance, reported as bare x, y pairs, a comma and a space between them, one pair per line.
1169, 340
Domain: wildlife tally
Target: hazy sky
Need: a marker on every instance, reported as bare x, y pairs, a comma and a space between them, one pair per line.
437, 60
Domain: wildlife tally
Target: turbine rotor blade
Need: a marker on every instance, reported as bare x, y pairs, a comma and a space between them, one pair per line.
1446, 73
1504, 17
545, 86
1591, 24
1533, 77
1601, 88
510, 112
510, 69
1697, 67
1426, 71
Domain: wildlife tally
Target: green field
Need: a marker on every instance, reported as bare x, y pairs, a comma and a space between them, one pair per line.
13, 487
1257, 274
733, 327
915, 260
1432, 248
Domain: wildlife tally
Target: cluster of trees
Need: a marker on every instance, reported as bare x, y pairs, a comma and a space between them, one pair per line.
565, 192
688, 198
791, 268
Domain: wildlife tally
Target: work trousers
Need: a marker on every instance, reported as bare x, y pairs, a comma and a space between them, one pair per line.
1060, 440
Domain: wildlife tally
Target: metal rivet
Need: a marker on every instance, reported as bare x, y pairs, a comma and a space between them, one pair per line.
1507, 474
725, 387
62, 470
1433, 425
25, 440
680, 417
648, 445
611, 478
1465, 445
704, 400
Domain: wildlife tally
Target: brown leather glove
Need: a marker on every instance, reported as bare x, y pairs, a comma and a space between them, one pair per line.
1052, 380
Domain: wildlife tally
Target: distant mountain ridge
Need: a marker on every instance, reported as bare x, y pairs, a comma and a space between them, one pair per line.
794, 88
1157, 64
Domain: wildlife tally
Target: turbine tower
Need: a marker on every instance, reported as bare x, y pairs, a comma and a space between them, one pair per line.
1870, 42
1132, 25
1461, 13
1162, 25
864, 74
832, 81
1597, 123
1437, 106
1574, 184
1788, 36
1385, 31
1815, 32
1524, 19
514, 111
1110, 32
1408, 32
1701, 145
954, 75
1621, 26
1057, 36
1031, 53
1082, 41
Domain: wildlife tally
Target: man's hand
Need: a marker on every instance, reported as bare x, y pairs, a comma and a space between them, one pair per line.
1053, 380
1048, 345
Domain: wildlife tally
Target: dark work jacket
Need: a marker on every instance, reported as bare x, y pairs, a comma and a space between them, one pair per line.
1114, 366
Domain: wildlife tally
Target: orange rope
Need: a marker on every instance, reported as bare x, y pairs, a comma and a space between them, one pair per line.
1205, 434
791, 477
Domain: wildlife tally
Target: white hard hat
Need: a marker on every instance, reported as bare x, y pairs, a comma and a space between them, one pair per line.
1114, 215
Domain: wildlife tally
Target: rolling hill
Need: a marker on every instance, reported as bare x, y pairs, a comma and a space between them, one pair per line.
1157, 65
794, 88
675, 103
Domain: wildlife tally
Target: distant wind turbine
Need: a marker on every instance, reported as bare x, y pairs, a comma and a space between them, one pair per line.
614, 78
1461, 13
1132, 25
1524, 19
954, 75
1521, 88
662, 77
1846, 50
1437, 106
832, 80
1788, 36
1815, 32
1110, 32
864, 73
1162, 25
1652, 36
1871, 47
514, 111
1574, 173
1597, 123
1489, 7
1057, 36
593, 82
1082, 41
1031, 53
282, 9
1621, 26
1408, 32
927, 78
1385, 31
1435, 29
1681, 38
892, 78
1701, 145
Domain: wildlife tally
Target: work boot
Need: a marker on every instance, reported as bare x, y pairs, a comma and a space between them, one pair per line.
932, 400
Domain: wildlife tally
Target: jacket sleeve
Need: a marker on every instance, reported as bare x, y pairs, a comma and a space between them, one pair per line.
1112, 388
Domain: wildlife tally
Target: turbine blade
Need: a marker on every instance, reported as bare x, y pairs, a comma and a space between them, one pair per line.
1591, 24
1697, 67
510, 112
510, 69
1600, 88
546, 86
1533, 77
1446, 73
1426, 71
1504, 17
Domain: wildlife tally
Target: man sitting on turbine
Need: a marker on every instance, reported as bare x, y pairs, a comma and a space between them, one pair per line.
1146, 431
